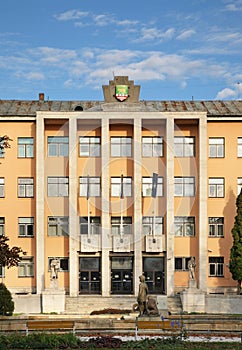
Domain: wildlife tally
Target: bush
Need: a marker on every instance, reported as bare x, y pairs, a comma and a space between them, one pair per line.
6, 302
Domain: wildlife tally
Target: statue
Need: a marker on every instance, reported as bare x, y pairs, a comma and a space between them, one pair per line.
152, 309
54, 268
142, 296
191, 267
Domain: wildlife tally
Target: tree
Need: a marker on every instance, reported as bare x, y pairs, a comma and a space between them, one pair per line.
6, 302
235, 264
4, 143
9, 257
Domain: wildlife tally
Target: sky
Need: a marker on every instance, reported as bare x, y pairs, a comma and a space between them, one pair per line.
173, 49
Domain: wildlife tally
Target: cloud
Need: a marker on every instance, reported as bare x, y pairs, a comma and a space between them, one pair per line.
71, 15
225, 93
234, 6
31, 76
186, 34
151, 34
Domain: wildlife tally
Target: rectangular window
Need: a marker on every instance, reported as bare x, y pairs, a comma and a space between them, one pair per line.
184, 186
25, 147
2, 187
239, 147
148, 225
94, 224
216, 266
181, 263
152, 146
2, 226
117, 227
25, 187
64, 263
58, 226
58, 186
216, 227
121, 146
26, 267
147, 186
184, 226
184, 146
216, 187
216, 147
58, 146
239, 185
121, 188
2, 271
90, 146
90, 186
26, 227
2, 148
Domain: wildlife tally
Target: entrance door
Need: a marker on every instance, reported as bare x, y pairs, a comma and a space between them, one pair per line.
89, 280
154, 274
122, 275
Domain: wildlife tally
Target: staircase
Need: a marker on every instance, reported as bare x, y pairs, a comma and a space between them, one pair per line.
174, 305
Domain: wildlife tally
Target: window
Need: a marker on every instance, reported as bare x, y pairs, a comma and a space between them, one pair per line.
90, 186
26, 227
2, 151
58, 146
90, 146
216, 266
58, 226
2, 271
239, 146
239, 185
147, 224
25, 147
2, 226
117, 226
2, 183
216, 147
121, 187
184, 186
94, 225
184, 226
216, 187
26, 267
25, 187
216, 227
64, 263
58, 186
121, 146
184, 146
181, 263
152, 146
147, 186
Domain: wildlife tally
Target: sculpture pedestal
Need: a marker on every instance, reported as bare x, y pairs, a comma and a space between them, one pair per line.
192, 298
53, 298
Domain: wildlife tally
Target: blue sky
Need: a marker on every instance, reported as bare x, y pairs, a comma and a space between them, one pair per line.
176, 50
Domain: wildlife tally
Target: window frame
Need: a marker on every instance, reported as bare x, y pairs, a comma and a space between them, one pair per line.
184, 263
184, 222
147, 183
116, 186
152, 146
58, 144
28, 222
61, 225
214, 148
25, 149
213, 222
59, 187
124, 148
89, 186
116, 225
27, 187
95, 225
239, 147
2, 226
26, 263
94, 148
217, 265
147, 225
239, 185
184, 149
2, 187
215, 185
62, 260
184, 191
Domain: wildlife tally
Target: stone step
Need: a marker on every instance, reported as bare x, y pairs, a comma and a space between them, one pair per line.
174, 305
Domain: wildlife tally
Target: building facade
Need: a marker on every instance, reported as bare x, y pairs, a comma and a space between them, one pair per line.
118, 188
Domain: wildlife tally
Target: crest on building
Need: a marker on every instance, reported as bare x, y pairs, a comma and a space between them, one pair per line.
121, 92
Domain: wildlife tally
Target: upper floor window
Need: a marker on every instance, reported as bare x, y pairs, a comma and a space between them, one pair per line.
239, 146
2, 226
2, 148
121, 146
58, 146
94, 225
26, 267
216, 227
152, 146
25, 147
90, 186
26, 227
216, 266
119, 225
184, 186
216, 187
239, 185
147, 186
216, 147
25, 187
184, 225
58, 226
184, 146
121, 187
90, 146
2, 187
152, 225
58, 186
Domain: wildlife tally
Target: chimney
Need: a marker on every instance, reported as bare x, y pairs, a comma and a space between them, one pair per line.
41, 96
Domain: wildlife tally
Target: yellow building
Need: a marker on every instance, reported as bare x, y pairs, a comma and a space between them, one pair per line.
118, 188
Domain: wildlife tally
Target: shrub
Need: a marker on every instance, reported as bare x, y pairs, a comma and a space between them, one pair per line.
6, 302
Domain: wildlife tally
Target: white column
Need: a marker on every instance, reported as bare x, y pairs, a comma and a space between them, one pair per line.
105, 263
170, 205
202, 263
40, 200
137, 234
74, 244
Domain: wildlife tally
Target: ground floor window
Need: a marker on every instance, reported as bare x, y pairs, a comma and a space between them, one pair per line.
216, 266
26, 267
154, 271
122, 275
90, 275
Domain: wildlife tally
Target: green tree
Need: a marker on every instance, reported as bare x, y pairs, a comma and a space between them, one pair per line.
9, 257
6, 302
235, 264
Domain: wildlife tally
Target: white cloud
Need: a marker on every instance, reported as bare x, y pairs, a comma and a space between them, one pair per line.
150, 34
71, 15
225, 93
186, 34
234, 6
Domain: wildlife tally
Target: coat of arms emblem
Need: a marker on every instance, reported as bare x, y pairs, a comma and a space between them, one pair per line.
121, 92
